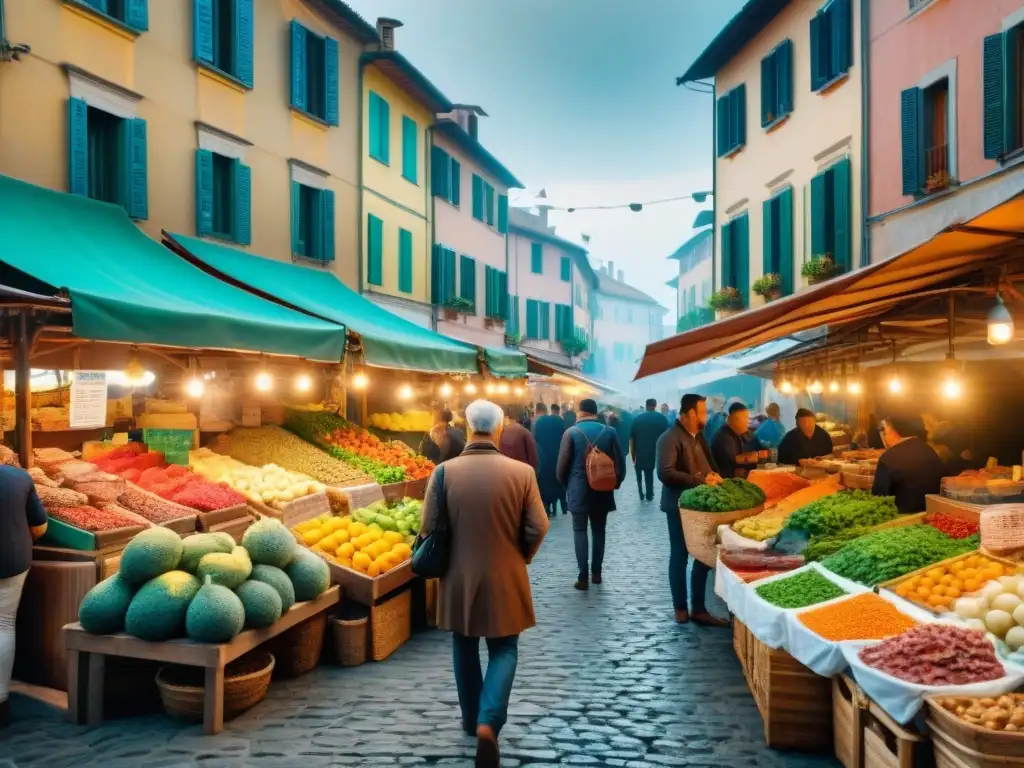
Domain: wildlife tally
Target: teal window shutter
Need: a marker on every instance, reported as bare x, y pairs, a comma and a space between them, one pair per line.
739, 115
842, 214
478, 198
436, 262
565, 266
138, 185
467, 278
404, 261
409, 133
769, 235
728, 279
449, 273
202, 35
385, 131
374, 120
299, 55
784, 73
1012, 89
532, 319
489, 204
204, 192
544, 309
993, 96
331, 80
136, 14
374, 250
327, 225
439, 173
243, 39
816, 27
503, 214
537, 258
819, 243
78, 147
502, 296
841, 36
513, 315
785, 240
455, 179
296, 217
911, 127
742, 224
243, 204
722, 125
768, 85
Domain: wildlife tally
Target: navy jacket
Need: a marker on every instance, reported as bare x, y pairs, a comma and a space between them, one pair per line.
647, 428
572, 470
20, 510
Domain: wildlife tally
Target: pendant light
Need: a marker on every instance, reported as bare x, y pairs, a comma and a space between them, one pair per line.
1000, 323
952, 387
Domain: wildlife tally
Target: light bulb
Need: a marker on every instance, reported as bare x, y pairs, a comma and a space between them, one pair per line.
816, 387
303, 382
952, 388
405, 392
446, 390
895, 385
264, 381
359, 381
833, 386
195, 388
786, 387
503, 388
518, 391
854, 387
489, 388
1000, 323
470, 389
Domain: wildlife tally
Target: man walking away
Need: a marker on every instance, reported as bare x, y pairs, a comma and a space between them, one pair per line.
547, 433
497, 523
684, 461
647, 428
517, 442
585, 503
568, 415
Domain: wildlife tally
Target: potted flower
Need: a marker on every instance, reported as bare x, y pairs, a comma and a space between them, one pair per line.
819, 269
458, 305
573, 346
768, 286
726, 301
937, 182
493, 322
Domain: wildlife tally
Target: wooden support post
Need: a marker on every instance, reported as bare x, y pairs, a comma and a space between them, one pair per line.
22, 385
213, 700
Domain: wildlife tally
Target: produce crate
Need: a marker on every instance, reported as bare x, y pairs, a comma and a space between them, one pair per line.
414, 489
390, 624
360, 588
933, 503
60, 534
175, 444
891, 584
296, 511
887, 744
848, 705
959, 744
184, 525
207, 522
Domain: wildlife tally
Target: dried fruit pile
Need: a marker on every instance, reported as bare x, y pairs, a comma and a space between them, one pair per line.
799, 590
92, 518
954, 527
177, 484
936, 654
151, 507
864, 617
1003, 714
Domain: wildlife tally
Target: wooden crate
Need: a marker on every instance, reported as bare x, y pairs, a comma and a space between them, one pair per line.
891, 584
887, 744
848, 705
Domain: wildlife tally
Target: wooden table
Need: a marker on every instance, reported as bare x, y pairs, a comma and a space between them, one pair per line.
86, 658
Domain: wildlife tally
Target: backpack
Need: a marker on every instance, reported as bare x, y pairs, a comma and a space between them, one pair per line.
599, 465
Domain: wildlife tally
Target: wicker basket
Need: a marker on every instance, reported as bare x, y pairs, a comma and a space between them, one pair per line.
390, 625
245, 685
1002, 528
700, 530
298, 650
960, 743
350, 640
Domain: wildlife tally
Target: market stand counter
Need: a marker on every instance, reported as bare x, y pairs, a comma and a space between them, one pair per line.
87, 654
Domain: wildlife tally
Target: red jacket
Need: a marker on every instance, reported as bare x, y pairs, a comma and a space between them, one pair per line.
517, 443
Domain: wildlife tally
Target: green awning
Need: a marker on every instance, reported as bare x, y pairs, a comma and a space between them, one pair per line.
506, 363
388, 341
125, 287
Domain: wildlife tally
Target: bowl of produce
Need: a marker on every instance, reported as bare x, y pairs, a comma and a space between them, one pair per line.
706, 507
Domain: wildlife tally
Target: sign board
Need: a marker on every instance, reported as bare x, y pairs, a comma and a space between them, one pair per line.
88, 400
360, 496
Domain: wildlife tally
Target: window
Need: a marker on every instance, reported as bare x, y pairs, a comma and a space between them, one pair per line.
223, 197
731, 118
1003, 92
483, 201
777, 84
467, 279
496, 287
223, 38
537, 258
736, 255
107, 158
924, 118
512, 319
314, 88
566, 269
442, 275
831, 43
777, 246
563, 322
312, 222
445, 176
374, 250
404, 261
409, 153
380, 129
831, 214
538, 319
489, 204
693, 296
503, 214
131, 13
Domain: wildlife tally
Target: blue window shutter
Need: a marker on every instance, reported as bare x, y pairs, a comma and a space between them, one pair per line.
439, 172
202, 35
818, 235
374, 120
204, 191
503, 214
449, 273
1012, 92
136, 14
327, 224
331, 80
786, 240
244, 41
531, 318
728, 278
842, 214
544, 309
78, 147
99, 5
742, 225
537, 258
841, 36
298, 90
409, 151
911, 114
768, 255
404, 261
767, 89
467, 278
138, 188
296, 217
384, 126
455, 197
375, 250
478, 198
784, 72
722, 125
817, 76
243, 203
502, 295
489, 204
739, 108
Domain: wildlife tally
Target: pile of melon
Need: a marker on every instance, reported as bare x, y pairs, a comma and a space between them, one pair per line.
203, 587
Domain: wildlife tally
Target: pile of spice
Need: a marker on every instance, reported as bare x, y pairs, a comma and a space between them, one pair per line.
936, 654
954, 527
92, 519
800, 590
864, 617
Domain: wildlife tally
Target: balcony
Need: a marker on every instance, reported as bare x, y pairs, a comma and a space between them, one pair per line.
936, 166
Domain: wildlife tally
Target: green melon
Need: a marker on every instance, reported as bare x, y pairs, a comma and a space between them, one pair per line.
105, 606
279, 580
195, 547
269, 543
215, 614
261, 602
152, 552
227, 570
309, 575
157, 612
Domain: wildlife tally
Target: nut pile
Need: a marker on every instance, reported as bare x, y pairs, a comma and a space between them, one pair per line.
1005, 713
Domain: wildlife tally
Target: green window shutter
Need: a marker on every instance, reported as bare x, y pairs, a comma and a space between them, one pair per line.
331, 80
769, 89
374, 120
374, 250
448, 288
455, 179
784, 75
404, 261
513, 315
843, 214
785, 240
768, 255
722, 125
436, 282
202, 34
1013, 92
299, 53
739, 115
242, 230
296, 216
439, 172
467, 278
819, 243
327, 225
742, 258
243, 40
993, 96
503, 214
911, 118
78, 147
409, 134
728, 278
136, 15
489, 291
537, 258
384, 110
204, 191
478, 198
489, 204
137, 186
532, 319
841, 36
544, 308
817, 27
566, 269
503, 295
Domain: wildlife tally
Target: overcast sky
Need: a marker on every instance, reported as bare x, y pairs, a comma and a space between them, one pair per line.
583, 103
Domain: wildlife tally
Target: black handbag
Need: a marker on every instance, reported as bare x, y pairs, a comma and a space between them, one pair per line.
431, 553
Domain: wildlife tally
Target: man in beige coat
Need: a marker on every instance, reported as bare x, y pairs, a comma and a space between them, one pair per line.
497, 522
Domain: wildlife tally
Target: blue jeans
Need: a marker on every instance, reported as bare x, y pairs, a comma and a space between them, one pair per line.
484, 698
678, 557
598, 521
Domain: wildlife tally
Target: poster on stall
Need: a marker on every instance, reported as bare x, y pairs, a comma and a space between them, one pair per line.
88, 399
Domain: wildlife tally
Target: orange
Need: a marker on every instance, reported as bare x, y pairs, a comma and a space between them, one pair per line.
928, 581
935, 600
971, 585
373, 570
947, 579
969, 573
957, 584
936, 573
924, 592
958, 566
903, 590
953, 592
972, 561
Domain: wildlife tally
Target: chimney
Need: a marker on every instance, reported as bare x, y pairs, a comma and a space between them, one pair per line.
386, 32
611, 269
474, 125
621, 277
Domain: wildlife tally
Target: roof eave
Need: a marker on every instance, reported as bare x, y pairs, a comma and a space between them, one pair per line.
346, 19
467, 143
406, 76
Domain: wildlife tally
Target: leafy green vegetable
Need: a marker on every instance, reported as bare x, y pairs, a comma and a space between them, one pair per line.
841, 511
730, 495
893, 552
803, 589
821, 547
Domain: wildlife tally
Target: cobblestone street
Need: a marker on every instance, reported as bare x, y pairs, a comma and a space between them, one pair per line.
606, 679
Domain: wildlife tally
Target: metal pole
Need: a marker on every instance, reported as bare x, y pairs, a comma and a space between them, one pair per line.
22, 395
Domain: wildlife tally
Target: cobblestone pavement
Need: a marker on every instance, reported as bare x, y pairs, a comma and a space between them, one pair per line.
606, 679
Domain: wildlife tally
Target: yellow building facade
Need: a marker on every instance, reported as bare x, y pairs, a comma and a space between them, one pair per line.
191, 93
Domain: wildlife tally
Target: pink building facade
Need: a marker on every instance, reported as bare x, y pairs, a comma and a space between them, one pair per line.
945, 119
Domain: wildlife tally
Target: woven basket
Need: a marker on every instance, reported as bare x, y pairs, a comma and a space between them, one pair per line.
1002, 528
700, 530
298, 650
350, 640
245, 685
390, 625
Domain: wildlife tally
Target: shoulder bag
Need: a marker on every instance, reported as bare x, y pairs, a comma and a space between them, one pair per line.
431, 553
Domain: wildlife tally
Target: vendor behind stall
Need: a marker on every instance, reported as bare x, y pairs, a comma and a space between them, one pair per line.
807, 441
909, 469
734, 448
